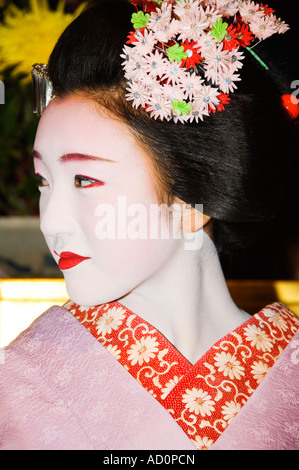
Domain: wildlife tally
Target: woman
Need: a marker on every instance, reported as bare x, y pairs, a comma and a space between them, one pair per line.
140, 193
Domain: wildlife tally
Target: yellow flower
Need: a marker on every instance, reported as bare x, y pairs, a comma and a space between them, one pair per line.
27, 37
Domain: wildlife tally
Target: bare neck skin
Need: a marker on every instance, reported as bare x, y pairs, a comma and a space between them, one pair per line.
188, 301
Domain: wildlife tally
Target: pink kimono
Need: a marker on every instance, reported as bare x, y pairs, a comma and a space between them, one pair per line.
102, 378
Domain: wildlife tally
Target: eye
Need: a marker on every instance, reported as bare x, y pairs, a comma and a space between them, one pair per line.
82, 181
41, 181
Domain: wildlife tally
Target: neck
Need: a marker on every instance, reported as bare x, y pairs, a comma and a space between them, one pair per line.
188, 300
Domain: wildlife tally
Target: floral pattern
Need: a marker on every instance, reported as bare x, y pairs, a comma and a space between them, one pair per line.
173, 41
205, 397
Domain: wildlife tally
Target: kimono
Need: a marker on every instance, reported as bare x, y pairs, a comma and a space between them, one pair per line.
103, 378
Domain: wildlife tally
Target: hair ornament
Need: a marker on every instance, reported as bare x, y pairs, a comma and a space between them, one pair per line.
183, 58
42, 88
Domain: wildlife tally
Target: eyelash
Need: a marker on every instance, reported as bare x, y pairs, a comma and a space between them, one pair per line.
86, 178
77, 180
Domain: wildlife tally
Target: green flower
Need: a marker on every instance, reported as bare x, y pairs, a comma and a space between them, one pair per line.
219, 30
176, 53
181, 107
140, 19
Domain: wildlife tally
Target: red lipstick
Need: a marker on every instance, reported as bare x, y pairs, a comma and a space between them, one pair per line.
68, 260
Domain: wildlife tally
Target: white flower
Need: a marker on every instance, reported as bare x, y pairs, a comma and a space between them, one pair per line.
192, 27
258, 338
226, 81
143, 350
250, 11
259, 370
190, 86
205, 97
281, 26
198, 402
138, 93
229, 365
145, 42
173, 73
185, 8
173, 92
230, 409
275, 318
168, 32
155, 64
217, 60
160, 19
159, 106
229, 8
110, 320
169, 386
135, 68
203, 443
235, 58
116, 353
197, 112
210, 14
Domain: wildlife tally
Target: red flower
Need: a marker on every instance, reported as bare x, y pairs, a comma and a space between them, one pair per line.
224, 99
194, 57
244, 35
230, 41
131, 37
266, 9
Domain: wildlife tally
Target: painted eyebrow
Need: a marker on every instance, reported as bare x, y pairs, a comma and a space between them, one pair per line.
72, 157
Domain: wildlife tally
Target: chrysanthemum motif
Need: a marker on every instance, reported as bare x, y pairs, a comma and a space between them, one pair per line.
258, 338
155, 64
227, 81
145, 41
160, 19
216, 60
173, 73
181, 49
185, 8
192, 26
203, 443
205, 97
276, 319
198, 402
159, 106
143, 350
193, 56
110, 320
230, 410
190, 86
263, 27
229, 8
169, 386
27, 37
281, 26
229, 365
250, 11
259, 370
138, 93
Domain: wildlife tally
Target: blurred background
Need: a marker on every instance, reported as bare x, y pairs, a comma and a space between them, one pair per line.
28, 32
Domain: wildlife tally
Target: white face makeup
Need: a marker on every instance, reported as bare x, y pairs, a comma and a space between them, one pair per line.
87, 161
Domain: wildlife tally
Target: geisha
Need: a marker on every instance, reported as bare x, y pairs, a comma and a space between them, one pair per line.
151, 352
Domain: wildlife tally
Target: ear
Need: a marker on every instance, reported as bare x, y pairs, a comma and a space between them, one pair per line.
191, 219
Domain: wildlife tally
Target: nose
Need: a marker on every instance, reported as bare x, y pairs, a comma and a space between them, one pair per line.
57, 214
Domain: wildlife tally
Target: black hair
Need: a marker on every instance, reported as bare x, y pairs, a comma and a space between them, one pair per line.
234, 162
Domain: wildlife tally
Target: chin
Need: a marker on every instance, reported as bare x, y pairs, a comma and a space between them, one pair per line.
88, 296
